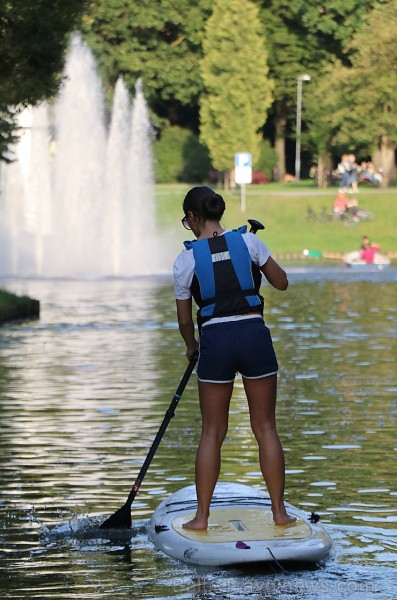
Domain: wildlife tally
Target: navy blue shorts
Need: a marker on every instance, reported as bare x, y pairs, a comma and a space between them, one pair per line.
243, 346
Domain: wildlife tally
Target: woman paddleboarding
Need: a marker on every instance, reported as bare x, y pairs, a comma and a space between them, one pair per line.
222, 271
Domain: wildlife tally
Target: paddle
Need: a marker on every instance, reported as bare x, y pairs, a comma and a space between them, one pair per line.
122, 517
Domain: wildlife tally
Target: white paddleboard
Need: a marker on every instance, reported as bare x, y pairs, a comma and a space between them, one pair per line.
241, 530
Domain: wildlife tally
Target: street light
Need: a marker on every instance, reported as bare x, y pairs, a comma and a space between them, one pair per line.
301, 78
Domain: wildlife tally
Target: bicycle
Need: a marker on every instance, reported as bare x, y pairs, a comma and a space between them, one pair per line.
349, 217
356, 216
323, 217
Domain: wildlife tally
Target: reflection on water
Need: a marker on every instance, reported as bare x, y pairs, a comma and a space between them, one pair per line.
84, 389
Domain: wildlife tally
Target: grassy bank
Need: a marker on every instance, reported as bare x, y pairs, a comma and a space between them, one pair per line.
17, 307
283, 209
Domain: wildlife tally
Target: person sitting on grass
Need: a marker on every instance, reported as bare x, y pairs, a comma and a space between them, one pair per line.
344, 206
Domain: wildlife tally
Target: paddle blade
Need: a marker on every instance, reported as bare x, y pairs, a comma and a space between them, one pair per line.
120, 519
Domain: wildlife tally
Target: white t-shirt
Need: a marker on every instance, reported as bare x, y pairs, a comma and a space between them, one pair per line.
184, 264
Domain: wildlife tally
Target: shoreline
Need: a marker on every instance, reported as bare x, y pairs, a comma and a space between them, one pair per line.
282, 256
13, 307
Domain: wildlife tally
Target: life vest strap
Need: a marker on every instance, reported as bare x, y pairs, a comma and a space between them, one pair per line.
230, 296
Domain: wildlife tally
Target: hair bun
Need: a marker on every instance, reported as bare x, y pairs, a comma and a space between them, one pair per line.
204, 202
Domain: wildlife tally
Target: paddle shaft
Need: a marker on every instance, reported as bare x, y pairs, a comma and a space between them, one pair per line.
167, 418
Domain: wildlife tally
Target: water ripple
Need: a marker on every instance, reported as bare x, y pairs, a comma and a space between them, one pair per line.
84, 390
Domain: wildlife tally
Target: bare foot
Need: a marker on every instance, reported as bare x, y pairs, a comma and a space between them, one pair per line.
196, 524
285, 519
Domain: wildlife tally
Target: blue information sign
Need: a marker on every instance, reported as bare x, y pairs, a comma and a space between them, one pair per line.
243, 167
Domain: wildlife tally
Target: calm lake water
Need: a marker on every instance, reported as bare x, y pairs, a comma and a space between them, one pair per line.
84, 389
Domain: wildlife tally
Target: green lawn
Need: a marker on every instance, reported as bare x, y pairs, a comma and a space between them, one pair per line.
283, 210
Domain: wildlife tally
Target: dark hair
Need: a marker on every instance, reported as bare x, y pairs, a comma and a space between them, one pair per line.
205, 203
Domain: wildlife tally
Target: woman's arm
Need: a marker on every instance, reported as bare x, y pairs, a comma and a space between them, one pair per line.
186, 325
275, 275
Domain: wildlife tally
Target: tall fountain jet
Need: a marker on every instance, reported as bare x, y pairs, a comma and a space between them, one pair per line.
78, 201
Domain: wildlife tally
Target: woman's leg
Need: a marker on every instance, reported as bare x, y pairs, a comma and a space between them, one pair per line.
261, 395
214, 405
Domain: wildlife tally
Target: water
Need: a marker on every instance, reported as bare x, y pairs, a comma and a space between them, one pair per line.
78, 201
84, 389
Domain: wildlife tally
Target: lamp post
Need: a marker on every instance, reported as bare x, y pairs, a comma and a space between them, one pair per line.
301, 79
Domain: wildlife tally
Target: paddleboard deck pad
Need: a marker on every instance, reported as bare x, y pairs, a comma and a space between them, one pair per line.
240, 530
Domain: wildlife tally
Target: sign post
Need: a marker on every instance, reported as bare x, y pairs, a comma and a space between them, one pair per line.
243, 173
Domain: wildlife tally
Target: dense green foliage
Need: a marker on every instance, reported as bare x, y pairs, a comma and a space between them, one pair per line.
347, 47
179, 156
267, 159
237, 89
304, 34
33, 38
7, 298
375, 62
17, 307
302, 37
357, 104
8, 130
158, 41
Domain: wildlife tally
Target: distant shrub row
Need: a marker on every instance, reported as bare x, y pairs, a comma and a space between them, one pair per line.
179, 156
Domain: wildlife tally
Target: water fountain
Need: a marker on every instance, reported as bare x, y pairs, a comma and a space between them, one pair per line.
79, 198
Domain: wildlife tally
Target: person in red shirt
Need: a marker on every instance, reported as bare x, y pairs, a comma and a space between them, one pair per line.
344, 206
340, 204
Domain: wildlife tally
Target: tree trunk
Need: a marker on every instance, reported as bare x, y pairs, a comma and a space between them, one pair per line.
322, 171
279, 141
324, 168
384, 160
228, 179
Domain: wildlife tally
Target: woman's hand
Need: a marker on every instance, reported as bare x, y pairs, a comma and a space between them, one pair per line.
191, 350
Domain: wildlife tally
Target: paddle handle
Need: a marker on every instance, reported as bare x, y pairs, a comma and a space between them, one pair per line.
167, 418
255, 225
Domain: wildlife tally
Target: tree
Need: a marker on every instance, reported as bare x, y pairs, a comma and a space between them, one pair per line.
158, 41
8, 130
302, 37
33, 38
373, 85
355, 107
237, 89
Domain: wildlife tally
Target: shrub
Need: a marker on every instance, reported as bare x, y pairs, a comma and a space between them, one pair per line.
267, 160
179, 156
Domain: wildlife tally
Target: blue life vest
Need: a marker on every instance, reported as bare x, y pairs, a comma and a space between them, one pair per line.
226, 281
